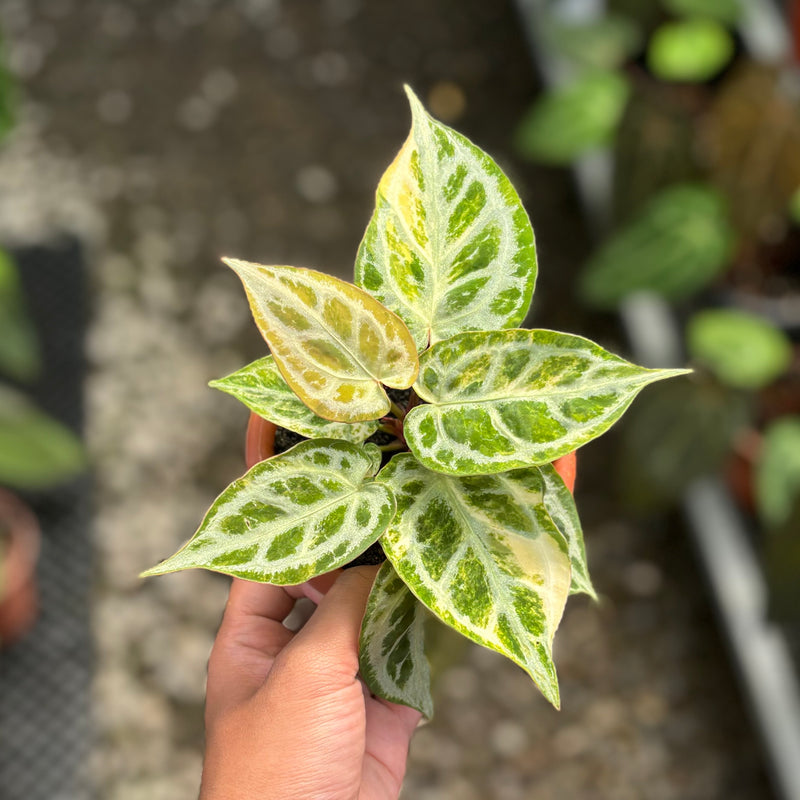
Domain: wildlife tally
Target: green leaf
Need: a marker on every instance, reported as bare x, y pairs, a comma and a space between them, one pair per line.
262, 388
778, 471
449, 247
36, 451
743, 350
726, 11
604, 43
391, 657
560, 505
294, 516
19, 348
504, 399
680, 242
570, 120
333, 343
483, 555
692, 50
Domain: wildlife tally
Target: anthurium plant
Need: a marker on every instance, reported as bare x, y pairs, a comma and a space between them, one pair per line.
478, 528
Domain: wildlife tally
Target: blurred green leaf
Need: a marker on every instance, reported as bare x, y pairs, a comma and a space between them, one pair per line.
682, 430
567, 122
6, 96
778, 471
692, 50
728, 12
741, 349
19, 348
604, 43
681, 240
36, 451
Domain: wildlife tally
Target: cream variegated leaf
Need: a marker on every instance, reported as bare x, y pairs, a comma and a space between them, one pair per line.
483, 554
499, 400
262, 388
332, 342
449, 247
560, 505
392, 658
294, 516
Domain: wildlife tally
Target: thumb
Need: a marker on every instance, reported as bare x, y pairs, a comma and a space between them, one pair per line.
330, 637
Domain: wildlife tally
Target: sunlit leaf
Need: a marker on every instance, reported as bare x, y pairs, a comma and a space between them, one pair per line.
504, 399
333, 342
604, 43
680, 242
483, 555
36, 451
19, 348
572, 119
449, 247
743, 350
727, 11
262, 388
691, 50
294, 516
391, 657
778, 471
560, 505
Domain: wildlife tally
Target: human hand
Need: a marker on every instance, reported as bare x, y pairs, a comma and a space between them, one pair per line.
287, 717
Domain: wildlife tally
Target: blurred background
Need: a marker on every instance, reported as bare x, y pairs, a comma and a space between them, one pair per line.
144, 139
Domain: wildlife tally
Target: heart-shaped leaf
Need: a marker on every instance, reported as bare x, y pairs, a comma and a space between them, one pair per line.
483, 555
262, 388
391, 657
560, 505
297, 515
680, 241
333, 342
504, 399
449, 247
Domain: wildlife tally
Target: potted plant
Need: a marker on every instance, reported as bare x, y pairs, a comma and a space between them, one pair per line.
429, 423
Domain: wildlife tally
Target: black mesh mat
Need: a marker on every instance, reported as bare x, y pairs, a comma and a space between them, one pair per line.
45, 678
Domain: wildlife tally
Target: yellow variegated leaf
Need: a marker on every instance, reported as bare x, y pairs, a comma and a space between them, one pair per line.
449, 246
333, 343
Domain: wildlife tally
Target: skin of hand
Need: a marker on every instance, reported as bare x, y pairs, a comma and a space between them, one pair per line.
287, 717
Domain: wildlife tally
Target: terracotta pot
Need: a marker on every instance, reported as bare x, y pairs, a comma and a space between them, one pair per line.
19, 599
260, 444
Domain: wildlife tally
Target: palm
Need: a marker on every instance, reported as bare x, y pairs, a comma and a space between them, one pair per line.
304, 701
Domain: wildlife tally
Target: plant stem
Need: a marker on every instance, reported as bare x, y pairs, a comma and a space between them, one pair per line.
399, 412
391, 447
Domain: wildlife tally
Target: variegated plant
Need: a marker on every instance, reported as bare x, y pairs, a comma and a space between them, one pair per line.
477, 526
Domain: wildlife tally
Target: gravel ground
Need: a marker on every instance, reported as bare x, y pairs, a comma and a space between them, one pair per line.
168, 132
